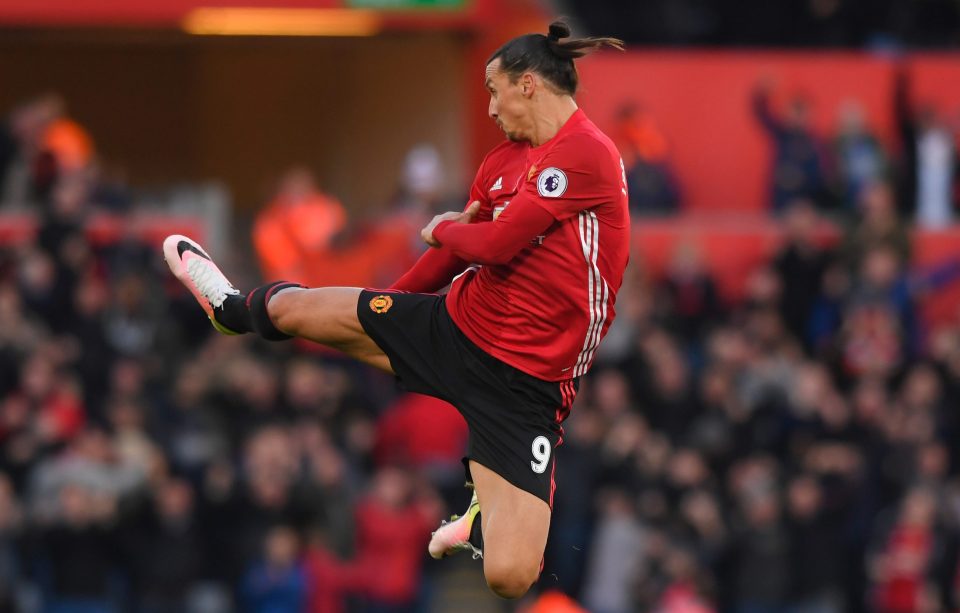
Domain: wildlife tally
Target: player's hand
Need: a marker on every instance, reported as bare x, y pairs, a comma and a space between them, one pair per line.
462, 217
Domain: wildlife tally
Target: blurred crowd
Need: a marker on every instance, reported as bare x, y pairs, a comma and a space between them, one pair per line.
836, 172
833, 171
148, 465
791, 451
795, 451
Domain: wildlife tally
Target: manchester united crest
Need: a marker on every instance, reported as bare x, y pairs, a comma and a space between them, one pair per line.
381, 303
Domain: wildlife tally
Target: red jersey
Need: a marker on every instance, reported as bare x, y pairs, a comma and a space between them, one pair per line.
546, 310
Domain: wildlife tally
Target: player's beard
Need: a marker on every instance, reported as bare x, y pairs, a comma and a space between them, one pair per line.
511, 136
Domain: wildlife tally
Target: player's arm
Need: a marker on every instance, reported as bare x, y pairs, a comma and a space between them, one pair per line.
432, 272
489, 242
436, 268
578, 175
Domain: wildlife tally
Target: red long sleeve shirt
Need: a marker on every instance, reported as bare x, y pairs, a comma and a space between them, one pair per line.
549, 246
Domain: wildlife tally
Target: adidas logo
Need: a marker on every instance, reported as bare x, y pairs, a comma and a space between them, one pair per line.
498, 184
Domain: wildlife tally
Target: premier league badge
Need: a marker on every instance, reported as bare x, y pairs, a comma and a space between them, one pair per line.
552, 183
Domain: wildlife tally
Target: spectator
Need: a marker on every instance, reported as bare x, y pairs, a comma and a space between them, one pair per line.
89, 462
26, 170
684, 590
435, 451
936, 165
421, 189
69, 144
797, 167
816, 549
860, 157
879, 328
761, 573
689, 294
574, 514
400, 441
296, 226
132, 322
878, 225
800, 265
651, 183
929, 159
88, 327
268, 495
191, 432
53, 401
165, 580
329, 579
901, 568
393, 526
617, 556
276, 583
79, 547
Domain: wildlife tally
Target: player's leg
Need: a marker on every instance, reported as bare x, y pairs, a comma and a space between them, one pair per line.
515, 524
514, 421
275, 311
326, 315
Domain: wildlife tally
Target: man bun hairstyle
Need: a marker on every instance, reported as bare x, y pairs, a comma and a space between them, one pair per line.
558, 30
550, 56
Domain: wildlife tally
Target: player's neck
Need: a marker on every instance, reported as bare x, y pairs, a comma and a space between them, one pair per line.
554, 112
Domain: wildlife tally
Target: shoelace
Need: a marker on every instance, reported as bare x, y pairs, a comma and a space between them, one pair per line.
211, 283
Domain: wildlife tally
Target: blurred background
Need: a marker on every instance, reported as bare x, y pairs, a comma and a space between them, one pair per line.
772, 424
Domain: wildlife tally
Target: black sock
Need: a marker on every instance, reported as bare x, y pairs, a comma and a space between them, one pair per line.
476, 533
257, 303
234, 314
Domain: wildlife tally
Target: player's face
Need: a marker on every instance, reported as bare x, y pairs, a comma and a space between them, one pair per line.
508, 105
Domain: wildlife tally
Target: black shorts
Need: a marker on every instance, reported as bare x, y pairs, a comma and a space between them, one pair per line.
514, 418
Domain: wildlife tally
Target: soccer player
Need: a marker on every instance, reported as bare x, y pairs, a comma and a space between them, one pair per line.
534, 263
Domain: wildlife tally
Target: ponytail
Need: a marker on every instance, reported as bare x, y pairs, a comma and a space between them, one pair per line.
576, 47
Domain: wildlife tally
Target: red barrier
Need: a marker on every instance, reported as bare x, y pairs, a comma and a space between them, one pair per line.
732, 248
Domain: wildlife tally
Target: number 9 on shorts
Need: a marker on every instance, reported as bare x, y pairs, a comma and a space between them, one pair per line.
541, 453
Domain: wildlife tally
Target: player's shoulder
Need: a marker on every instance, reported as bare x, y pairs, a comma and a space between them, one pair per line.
587, 155
586, 145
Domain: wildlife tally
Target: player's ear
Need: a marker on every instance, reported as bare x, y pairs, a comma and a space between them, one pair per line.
528, 83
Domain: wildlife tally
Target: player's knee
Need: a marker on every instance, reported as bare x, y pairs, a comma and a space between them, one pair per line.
283, 313
509, 587
291, 311
509, 580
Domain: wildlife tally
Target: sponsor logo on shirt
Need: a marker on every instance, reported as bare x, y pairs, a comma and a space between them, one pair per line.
498, 184
381, 304
552, 183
